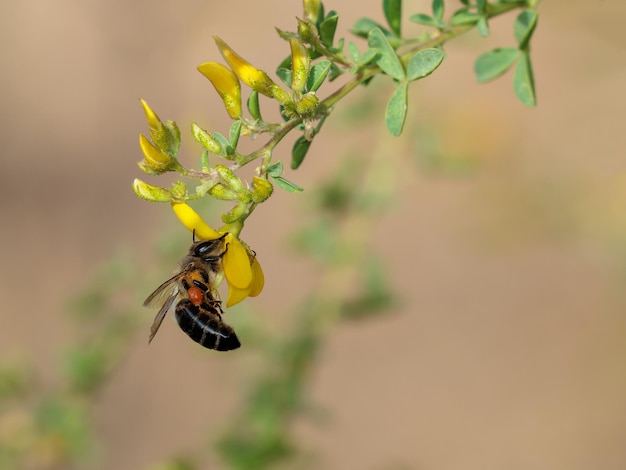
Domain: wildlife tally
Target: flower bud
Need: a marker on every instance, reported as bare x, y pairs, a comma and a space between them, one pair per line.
311, 10
261, 189
235, 213
300, 65
226, 84
165, 137
219, 191
230, 178
206, 139
307, 104
307, 31
256, 79
151, 193
155, 161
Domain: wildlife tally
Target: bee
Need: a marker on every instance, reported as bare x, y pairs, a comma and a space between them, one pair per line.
199, 311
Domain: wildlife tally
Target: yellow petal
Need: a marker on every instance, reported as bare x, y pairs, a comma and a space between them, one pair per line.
236, 295
258, 279
300, 65
226, 84
193, 221
237, 264
154, 157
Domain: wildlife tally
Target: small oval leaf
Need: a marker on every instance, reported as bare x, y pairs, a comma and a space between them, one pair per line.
423, 63
438, 9
393, 14
285, 75
253, 105
524, 27
287, 185
395, 115
494, 63
300, 149
464, 17
318, 74
328, 28
524, 82
363, 27
275, 169
388, 60
426, 20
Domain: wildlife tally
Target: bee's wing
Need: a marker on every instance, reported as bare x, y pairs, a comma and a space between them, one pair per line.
158, 319
162, 292
165, 295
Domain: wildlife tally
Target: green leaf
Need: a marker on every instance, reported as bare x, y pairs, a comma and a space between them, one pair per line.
328, 28
368, 56
421, 18
395, 115
483, 26
318, 74
275, 169
363, 27
462, 16
494, 63
524, 27
438, 9
228, 149
299, 151
524, 81
354, 52
335, 72
285, 75
233, 133
393, 14
287, 185
388, 61
482, 5
253, 105
423, 63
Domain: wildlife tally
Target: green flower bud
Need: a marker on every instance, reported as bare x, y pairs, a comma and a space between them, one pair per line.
206, 140
261, 189
307, 31
307, 104
235, 213
151, 193
230, 178
219, 191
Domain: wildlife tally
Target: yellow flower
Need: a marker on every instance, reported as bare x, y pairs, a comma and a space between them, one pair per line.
242, 270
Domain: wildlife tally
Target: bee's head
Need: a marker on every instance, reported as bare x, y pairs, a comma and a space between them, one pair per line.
208, 250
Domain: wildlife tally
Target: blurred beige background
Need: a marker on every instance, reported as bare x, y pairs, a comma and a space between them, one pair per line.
507, 350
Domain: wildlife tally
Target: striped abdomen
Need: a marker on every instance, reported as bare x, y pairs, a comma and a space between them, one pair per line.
203, 323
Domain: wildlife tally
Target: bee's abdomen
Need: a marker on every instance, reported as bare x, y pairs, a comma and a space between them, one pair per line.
204, 325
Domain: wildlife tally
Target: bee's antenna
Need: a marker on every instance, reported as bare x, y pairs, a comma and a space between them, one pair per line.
193, 235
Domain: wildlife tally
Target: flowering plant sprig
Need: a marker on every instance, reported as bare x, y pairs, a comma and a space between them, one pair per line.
315, 57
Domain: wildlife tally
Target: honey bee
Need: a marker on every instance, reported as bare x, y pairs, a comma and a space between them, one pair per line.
199, 312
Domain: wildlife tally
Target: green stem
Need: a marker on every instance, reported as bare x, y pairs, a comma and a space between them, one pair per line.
328, 103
